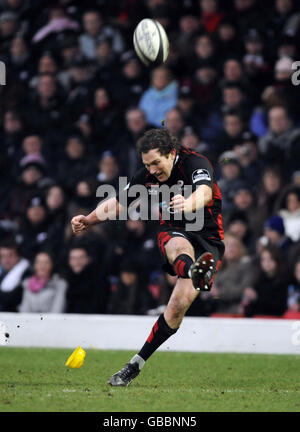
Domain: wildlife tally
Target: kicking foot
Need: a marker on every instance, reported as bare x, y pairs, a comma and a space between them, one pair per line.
202, 271
125, 375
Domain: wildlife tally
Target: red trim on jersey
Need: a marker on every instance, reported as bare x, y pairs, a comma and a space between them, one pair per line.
220, 226
216, 192
218, 222
163, 238
186, 150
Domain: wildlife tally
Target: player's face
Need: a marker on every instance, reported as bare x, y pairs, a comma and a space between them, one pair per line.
159, 165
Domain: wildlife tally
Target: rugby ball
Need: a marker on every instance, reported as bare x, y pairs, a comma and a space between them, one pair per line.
151, 42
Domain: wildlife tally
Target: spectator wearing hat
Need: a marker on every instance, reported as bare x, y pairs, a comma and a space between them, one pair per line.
94, 27
45, 290
160, 97
14, 268
30, 182
274, 230
36, 232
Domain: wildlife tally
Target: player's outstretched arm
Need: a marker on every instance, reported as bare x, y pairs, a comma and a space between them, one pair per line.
108, 209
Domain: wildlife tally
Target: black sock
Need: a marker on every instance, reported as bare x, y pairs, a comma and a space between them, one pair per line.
182, 265
159, 334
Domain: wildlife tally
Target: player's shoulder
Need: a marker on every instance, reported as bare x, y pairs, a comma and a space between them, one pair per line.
189, 156
141, 176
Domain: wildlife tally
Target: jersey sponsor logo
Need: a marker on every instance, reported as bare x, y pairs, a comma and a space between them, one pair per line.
152, 188
200, 174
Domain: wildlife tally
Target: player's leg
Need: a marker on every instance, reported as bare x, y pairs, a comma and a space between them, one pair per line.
180, 254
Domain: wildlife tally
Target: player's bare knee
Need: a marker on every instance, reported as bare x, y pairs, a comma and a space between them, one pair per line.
177, 246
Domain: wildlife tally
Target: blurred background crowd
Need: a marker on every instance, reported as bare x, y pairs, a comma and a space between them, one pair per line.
75, 102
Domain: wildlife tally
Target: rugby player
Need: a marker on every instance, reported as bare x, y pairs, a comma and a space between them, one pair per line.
194, 256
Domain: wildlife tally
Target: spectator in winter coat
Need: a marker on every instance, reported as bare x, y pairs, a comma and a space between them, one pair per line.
13, 269
160, 97
95, 27
268, 294
275, 232
234, 275
44, 291
282, 138
86, 291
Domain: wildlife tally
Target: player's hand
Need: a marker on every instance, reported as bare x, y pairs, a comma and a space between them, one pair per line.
178, 203
79, 224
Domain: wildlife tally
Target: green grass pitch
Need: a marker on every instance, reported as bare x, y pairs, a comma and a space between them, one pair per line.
36, 379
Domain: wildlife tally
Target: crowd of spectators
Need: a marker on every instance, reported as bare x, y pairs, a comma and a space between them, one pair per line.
75, 102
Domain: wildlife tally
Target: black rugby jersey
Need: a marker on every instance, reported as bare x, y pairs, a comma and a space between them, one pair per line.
190, 169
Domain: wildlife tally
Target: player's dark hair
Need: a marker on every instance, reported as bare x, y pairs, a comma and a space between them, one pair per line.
160, 139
